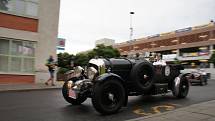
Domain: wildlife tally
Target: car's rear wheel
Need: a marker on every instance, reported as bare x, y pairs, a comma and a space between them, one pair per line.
108, 97
203, 80
65, 91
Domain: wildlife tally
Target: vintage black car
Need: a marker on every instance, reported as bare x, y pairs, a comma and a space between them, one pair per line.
109, 82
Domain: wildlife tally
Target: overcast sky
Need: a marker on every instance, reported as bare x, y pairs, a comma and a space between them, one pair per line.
84, 21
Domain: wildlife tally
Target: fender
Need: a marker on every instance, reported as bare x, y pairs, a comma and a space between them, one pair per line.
104, 77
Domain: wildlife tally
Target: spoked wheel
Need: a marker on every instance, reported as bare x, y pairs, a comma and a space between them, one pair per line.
180, 87
203, 80
184, 88
108, 97
145, 76
142, 75
65, 91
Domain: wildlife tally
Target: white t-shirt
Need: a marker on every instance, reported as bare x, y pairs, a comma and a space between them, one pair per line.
160, 62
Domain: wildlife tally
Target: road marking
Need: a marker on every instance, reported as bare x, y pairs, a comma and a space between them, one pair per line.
141, 112
155, 109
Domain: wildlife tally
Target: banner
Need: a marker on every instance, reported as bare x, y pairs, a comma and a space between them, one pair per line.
61, 42
183, 30
153, 36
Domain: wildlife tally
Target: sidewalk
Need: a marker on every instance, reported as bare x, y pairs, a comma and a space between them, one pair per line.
28, 87
198, 112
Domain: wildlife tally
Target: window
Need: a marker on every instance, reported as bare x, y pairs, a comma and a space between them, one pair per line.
31, 9
17, 56
4, 46
20, 7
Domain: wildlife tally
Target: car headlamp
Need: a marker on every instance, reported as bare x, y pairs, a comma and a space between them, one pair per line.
91, 72
78, 71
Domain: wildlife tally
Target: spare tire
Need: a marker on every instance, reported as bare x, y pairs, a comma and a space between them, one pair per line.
142, 76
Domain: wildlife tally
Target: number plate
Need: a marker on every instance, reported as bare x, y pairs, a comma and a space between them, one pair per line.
72, 94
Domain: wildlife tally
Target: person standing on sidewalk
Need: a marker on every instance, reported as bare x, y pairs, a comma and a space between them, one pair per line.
51, 68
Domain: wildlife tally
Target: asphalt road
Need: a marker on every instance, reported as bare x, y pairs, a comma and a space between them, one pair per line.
49, 105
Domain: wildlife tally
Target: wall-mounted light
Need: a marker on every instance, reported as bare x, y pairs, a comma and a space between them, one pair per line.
153, 44
203, 36
203, 48
136, 47
174, 51
183, 43
175, 40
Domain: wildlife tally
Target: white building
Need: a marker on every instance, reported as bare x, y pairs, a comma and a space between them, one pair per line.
28, 35
105, 41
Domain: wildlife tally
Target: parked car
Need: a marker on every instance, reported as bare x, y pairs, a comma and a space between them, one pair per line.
109, 82
198, 76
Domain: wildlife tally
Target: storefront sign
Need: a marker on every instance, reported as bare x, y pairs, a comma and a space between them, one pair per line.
183, 30
169, 57
194, 54
168, 33
153, 36
61, 42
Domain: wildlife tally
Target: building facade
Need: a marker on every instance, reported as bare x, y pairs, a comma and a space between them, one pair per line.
28, 35
192, 46
105, 41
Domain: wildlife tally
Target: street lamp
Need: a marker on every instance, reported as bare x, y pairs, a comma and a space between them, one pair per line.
131, 31
131, 27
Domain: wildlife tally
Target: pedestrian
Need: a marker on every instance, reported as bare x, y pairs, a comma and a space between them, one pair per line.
51, 68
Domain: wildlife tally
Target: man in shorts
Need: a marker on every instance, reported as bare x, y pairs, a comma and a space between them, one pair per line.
51, 68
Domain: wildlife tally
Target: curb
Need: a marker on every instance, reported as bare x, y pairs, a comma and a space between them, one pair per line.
169, 112
22, 90
30, 89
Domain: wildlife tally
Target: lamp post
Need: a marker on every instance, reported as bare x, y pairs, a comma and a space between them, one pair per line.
131, 32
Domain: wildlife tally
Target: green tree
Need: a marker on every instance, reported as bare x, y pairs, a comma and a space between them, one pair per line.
81, 60
212, 59
106, 51
64, 60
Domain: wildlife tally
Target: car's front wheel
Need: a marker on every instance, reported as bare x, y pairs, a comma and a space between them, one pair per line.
203, 80
108, 97
65, 91
180, 87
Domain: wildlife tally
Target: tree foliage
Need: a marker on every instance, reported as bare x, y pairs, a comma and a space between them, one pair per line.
106, 51
212, 59
65, 59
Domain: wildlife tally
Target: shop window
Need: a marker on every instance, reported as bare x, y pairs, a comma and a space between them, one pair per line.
4, 46
28, 65
195, 64
17, 56
194, 52
16, 64
4, 63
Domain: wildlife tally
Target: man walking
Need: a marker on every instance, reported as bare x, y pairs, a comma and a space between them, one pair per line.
51, 68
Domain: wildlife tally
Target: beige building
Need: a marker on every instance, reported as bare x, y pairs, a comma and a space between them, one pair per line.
105, 41
192, 46
28, 35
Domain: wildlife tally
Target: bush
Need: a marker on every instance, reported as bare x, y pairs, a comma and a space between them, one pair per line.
62, 70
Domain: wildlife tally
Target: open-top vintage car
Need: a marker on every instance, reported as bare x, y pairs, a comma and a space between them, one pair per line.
109, 82
198, 76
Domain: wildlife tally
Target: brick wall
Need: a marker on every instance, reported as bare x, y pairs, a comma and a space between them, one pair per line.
8, 78
18, 23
